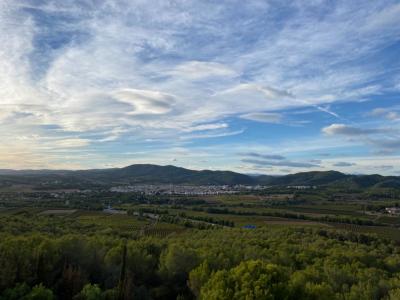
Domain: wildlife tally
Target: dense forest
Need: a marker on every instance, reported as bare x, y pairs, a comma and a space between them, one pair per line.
324, 242
267, 263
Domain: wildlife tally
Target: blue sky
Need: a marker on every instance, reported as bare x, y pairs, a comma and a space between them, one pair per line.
268, 87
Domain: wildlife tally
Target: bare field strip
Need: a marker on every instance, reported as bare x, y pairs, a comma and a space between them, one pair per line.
58, 212
283, 221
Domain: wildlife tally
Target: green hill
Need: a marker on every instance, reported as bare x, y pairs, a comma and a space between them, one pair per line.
305, 178
146, 173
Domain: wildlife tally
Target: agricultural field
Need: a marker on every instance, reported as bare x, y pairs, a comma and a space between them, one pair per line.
133, 212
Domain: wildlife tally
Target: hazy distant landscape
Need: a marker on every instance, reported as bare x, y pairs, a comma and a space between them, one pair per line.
154, 174
155, 232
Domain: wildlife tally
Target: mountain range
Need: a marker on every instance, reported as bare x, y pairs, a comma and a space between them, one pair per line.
155, 174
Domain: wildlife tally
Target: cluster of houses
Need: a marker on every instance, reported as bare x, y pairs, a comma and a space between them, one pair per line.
171, 189
150, 189
301, 187
393, 210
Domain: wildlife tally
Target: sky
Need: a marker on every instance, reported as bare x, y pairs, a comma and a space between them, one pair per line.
263, 87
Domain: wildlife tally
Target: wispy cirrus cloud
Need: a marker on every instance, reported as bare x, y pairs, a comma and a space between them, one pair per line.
263, 117
285, 163
204, 127
263, 156
197, 70
275, 160
387, 113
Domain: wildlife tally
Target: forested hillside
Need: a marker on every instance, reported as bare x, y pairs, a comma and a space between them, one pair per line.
213, 264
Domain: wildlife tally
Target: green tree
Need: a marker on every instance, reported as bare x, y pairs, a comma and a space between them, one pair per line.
394, 294
39, 292
16, 293
198, 277
316, 291
178, 261
251, 280
90, 292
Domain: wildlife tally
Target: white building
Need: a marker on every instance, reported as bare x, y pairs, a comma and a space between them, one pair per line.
393, 210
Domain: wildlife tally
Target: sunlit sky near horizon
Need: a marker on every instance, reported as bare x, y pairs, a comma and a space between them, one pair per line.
267, 87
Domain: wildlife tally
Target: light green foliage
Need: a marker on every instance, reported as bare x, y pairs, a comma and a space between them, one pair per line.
394, 294
39, 292
198, 277
178, 260
251, 280
90, 292
315, 291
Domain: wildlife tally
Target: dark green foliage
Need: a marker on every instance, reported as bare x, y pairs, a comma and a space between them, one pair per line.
15, 293
23, 292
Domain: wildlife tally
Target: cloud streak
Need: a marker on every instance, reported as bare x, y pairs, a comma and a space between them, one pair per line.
275, 160
285, 163
263, 117
342, 129
263, 156
343, 164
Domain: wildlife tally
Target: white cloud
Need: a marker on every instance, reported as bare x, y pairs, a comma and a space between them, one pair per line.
386, 113
202, 127
267, 92
201, 70
346, 130
388, 16
212, 135
263, 117
71, 143
387, 140
146, 102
